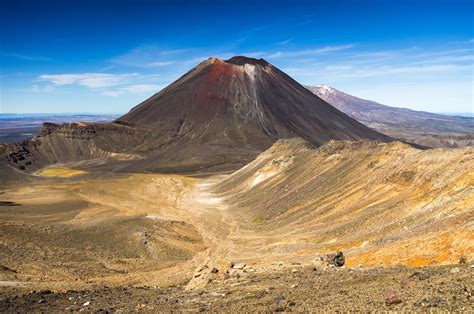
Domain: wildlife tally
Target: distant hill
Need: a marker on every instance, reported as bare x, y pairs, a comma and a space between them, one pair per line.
425, 128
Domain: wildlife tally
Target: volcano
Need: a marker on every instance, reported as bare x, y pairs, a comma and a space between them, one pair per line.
244, 102
218, 116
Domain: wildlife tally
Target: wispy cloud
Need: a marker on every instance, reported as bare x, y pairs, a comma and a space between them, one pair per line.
24, 57
160, 64
142, 88
284, 42
411, 63
150, 56
133, 89
353, 72
309, 52
107, 84
91, 80
43, 89
112, 93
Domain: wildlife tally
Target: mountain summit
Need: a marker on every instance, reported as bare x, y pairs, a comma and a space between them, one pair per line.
218, 116
244, 102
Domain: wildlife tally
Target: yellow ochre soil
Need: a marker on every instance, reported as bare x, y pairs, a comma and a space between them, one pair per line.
62, 172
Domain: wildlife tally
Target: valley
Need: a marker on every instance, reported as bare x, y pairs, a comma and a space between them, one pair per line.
85, 231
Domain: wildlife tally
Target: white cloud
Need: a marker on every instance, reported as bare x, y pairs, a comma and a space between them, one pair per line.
133, 89
160, 64
112, 85
91, 80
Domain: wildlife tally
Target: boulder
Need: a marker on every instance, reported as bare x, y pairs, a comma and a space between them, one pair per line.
391, 297
337, 259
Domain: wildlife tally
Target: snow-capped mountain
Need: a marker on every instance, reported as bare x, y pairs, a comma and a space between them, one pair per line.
421, 127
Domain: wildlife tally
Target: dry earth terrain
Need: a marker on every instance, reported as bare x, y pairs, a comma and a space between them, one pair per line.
251, 240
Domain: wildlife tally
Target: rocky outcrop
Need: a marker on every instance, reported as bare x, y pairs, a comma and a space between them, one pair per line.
72, 142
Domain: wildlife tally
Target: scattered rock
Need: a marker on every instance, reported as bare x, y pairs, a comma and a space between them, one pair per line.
294, 270
5, 268
294, 286
391, 298
87, 303
433, 302
235, 273
291, 303
455, 270
200, 269
140, 306
214, 270
239, 266
337, 259
463, 260
279, 298
225, 275
406, 283
420, 276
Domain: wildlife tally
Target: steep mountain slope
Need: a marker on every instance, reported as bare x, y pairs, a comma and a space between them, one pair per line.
218, 116
425, 128
246, 102
371, 200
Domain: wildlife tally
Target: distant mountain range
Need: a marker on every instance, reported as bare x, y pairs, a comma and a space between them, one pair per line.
425, 128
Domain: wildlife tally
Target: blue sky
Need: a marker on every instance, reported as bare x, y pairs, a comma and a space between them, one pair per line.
107, 56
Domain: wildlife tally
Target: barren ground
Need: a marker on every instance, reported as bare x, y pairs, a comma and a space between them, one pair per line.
169, 242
